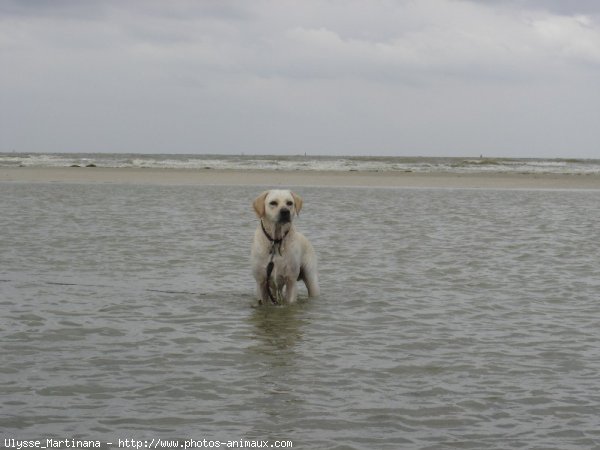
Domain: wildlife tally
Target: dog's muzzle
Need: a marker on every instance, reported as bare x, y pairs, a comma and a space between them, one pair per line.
285, 216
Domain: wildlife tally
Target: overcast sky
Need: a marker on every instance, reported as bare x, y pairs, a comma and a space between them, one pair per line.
346, 77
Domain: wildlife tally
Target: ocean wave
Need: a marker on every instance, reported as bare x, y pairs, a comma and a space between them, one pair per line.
305, 163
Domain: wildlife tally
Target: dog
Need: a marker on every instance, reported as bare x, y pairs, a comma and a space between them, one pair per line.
280, 255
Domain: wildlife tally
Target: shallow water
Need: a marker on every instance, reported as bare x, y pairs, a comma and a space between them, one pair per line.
461, 319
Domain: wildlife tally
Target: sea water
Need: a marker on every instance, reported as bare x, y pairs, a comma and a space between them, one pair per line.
464, 319
473, 164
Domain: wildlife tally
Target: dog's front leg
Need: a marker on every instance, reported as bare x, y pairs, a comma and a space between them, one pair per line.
291, 291
263, 293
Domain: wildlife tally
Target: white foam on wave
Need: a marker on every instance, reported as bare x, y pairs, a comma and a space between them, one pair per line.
301, 163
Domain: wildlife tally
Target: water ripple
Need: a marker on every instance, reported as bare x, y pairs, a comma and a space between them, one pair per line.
448, 319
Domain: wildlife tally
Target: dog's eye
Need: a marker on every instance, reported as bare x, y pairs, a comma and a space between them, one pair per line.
273, 203
290, 203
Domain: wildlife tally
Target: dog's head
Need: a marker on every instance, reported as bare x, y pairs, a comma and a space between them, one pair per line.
278, 206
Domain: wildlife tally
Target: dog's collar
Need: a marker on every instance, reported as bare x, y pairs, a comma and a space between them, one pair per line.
270, 238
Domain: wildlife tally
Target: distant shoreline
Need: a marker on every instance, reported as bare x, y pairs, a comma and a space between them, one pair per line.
274, 178
311, 164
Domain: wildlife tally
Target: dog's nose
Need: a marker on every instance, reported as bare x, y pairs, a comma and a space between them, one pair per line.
284, 214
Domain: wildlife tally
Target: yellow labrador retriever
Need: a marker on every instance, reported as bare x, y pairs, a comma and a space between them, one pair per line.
281, 255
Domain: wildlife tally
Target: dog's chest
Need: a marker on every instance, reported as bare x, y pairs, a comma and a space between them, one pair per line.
284, 267
282, 270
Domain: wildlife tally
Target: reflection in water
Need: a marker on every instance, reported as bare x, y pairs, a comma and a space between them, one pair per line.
277, 350
278, 328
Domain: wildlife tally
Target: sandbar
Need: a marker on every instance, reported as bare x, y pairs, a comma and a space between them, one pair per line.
280, 178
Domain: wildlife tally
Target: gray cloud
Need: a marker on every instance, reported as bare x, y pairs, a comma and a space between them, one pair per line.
439, 77
568, 7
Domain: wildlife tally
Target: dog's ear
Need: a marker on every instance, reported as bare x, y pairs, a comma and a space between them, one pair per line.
259, 204
297, 202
